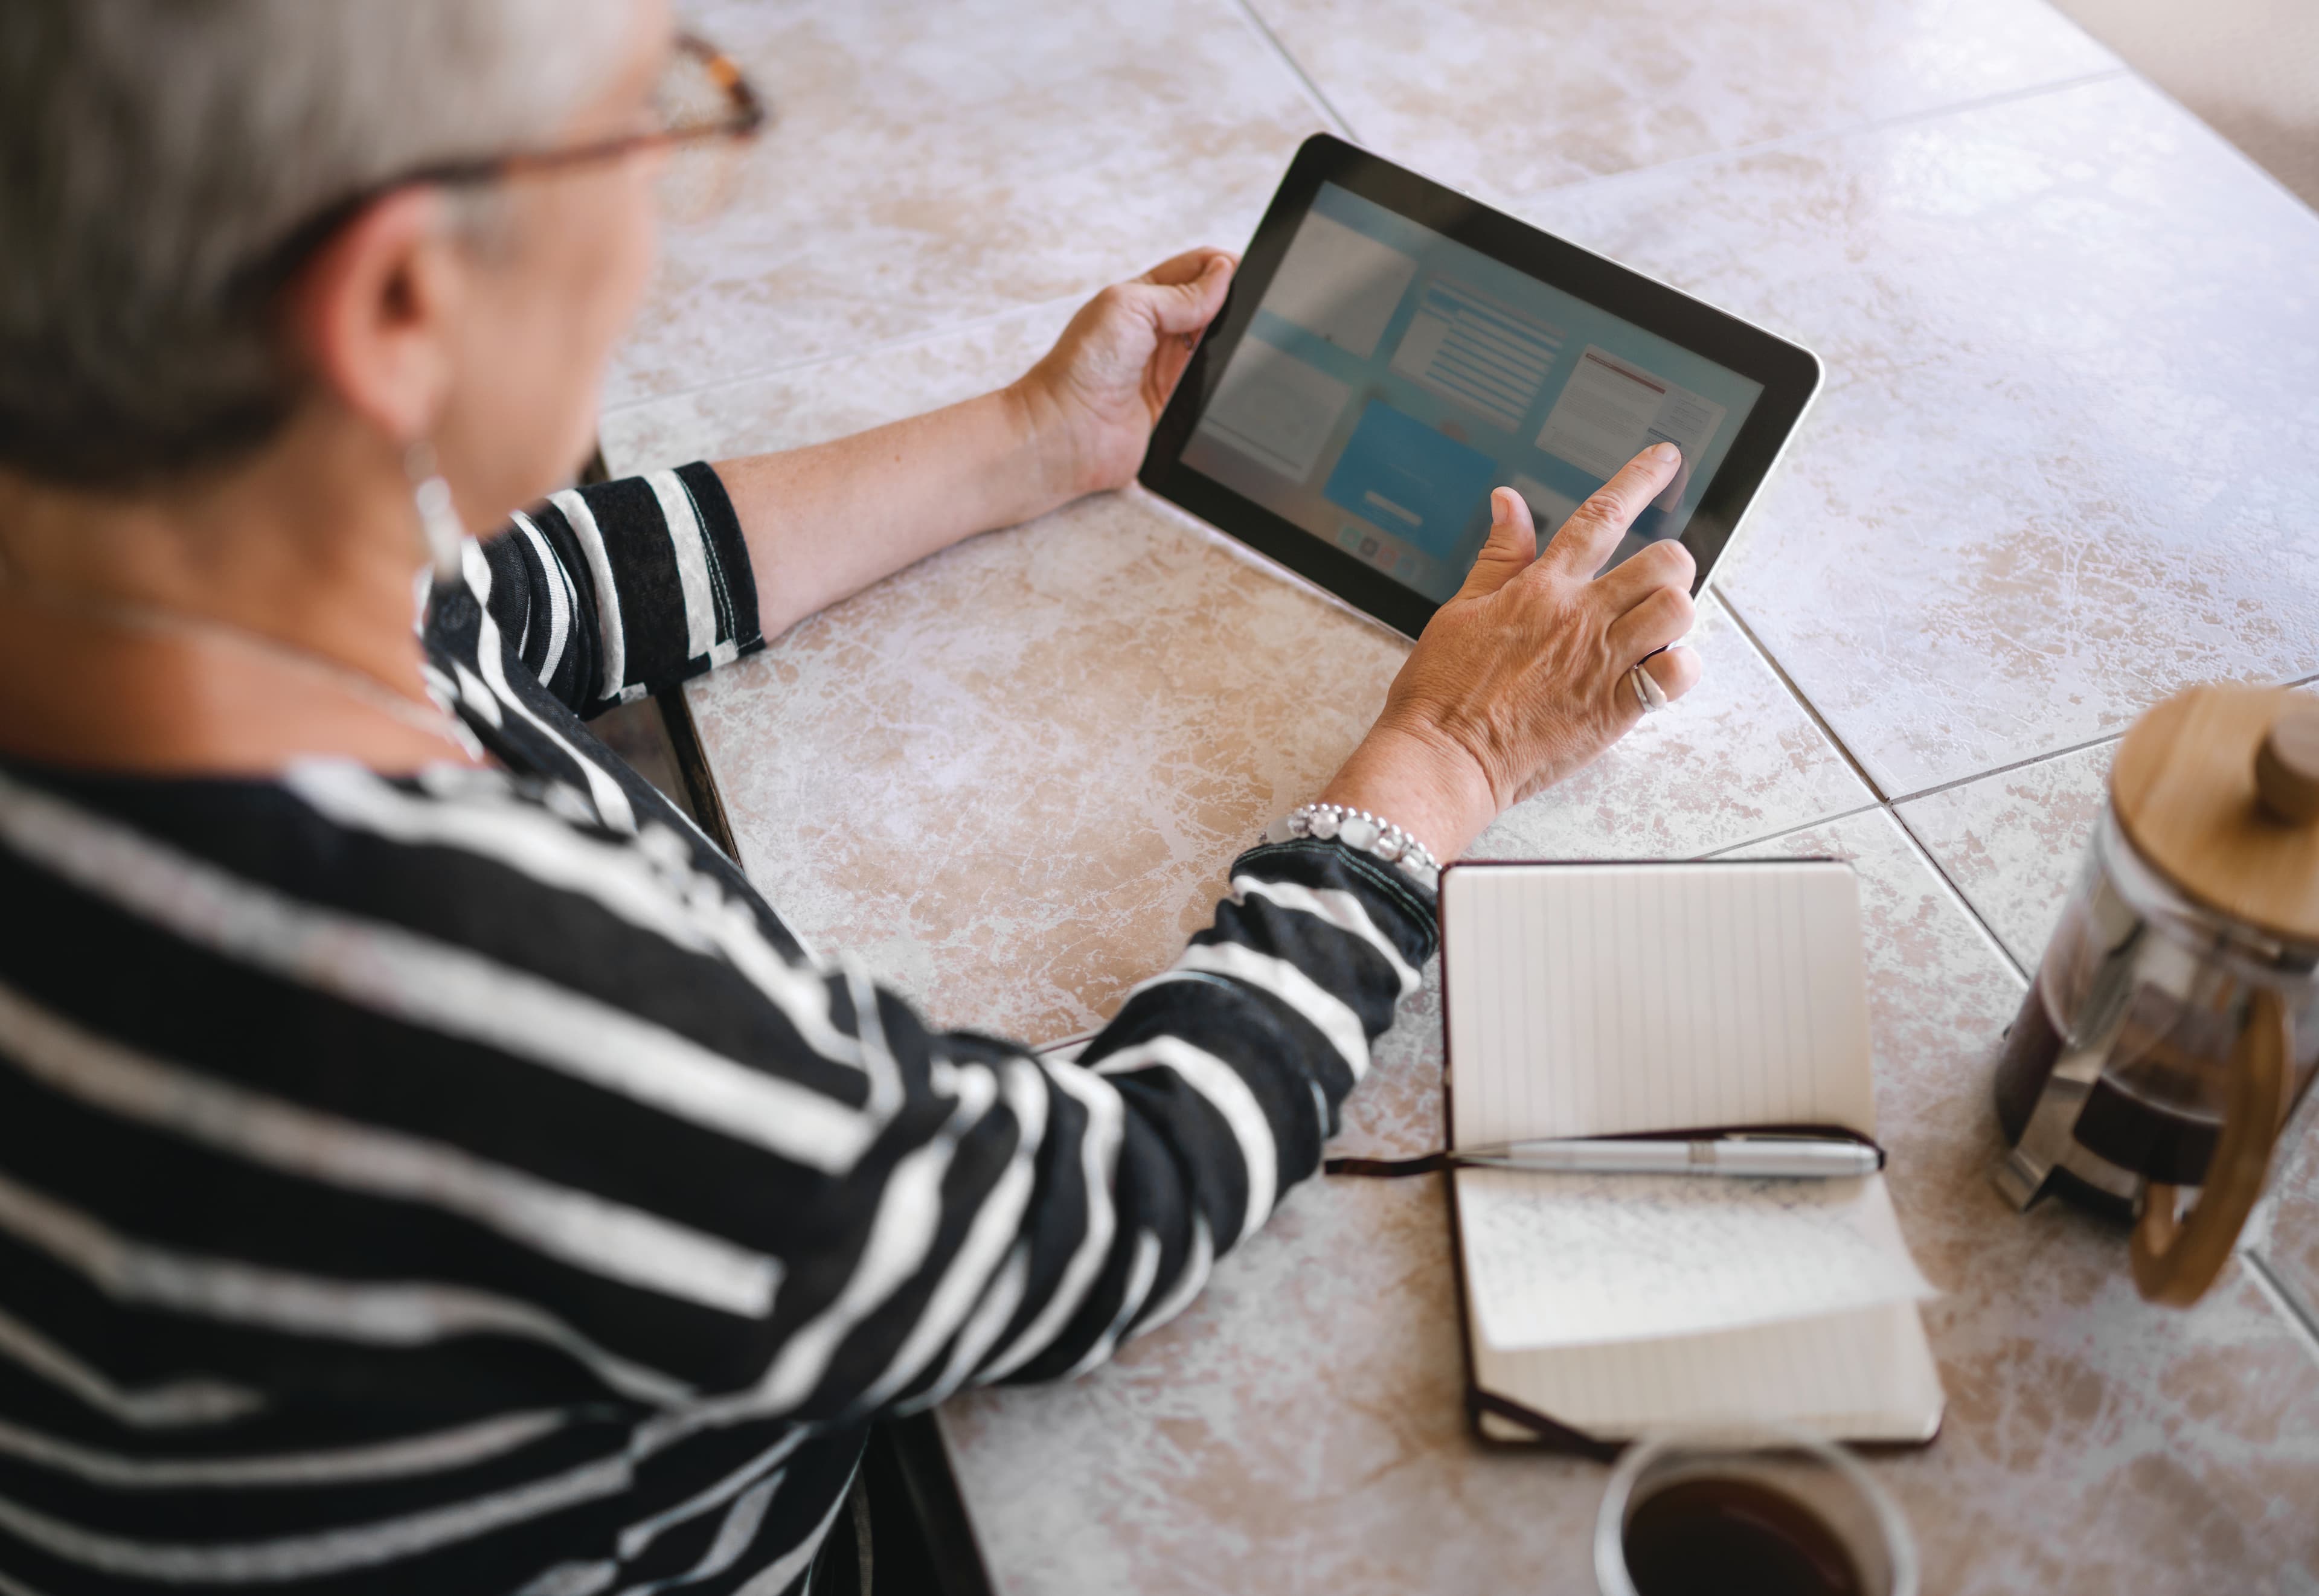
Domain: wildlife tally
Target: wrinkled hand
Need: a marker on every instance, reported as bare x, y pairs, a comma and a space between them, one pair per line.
1093, 400
1521, 679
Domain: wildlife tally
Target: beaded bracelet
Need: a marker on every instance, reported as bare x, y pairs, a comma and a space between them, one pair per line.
1358, 829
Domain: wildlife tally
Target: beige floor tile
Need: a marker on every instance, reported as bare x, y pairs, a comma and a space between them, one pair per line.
1512, 97
1737, 758
1300, 1428
2249, 67
933, 164
1011, 778
761, 415
2012, 842
2062, 464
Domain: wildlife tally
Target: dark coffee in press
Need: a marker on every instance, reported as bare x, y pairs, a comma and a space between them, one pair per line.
2144, 1114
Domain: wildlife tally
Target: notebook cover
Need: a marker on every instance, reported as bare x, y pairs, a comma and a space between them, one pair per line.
1551, 1432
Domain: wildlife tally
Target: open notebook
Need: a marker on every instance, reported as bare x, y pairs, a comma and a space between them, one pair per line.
1607, 999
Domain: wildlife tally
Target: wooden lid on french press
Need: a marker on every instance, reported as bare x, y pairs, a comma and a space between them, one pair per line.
2218, 788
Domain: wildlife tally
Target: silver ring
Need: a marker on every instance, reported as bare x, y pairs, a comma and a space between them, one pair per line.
1648, 694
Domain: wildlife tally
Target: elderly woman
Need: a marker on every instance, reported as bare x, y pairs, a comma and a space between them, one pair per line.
425, 1163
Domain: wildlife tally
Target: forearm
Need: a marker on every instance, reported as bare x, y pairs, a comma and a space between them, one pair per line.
827, 521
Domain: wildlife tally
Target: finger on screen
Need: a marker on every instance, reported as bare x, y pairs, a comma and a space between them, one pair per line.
1594, 529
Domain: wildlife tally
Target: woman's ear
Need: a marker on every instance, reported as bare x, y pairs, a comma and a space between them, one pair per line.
373, 314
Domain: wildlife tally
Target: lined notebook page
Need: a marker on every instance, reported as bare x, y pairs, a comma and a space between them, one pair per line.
1865, 1375
1569, 1260
1588, 1000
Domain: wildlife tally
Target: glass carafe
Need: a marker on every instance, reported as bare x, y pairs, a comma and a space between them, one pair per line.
2167, 1037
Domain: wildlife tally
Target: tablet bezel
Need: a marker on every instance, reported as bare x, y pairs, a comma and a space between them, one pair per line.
1789, 372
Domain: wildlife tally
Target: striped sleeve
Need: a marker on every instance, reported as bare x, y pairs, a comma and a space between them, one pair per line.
1019, 1217
467, 1195
611, 592
1207, 1097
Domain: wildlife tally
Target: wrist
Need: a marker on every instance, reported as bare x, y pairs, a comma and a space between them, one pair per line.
1436, 792
1044, 466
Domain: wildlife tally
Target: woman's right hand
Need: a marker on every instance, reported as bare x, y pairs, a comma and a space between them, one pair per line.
1522, 678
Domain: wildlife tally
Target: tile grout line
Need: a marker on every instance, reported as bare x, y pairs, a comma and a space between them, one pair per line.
2036, 759
1788, 831
2288, 1301
1915, 846
1327, 107
2283, 1300
1344, 128
1963, 900
1809, 709
1881, 803
2230, 145
2007, 770
1890, 805
1706, 157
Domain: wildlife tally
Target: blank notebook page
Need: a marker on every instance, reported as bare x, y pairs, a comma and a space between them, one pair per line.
1590, 1000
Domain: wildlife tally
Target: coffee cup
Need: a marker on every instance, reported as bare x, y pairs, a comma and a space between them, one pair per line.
1748, 1511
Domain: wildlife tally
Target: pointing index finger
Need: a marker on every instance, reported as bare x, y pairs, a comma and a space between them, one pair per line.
1583, 542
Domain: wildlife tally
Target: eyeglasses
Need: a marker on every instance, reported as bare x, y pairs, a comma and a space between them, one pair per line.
702, 105
702, 110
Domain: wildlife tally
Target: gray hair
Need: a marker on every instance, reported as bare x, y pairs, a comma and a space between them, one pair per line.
154, 152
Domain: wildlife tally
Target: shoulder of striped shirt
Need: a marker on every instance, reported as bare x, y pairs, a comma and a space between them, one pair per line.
447, 985
574, 1226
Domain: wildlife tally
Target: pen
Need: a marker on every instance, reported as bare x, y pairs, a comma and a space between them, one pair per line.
1788, 1158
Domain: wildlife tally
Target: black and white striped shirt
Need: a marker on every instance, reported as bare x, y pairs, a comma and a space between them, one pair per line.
464, 1182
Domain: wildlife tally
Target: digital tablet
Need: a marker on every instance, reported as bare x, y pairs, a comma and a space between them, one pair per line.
1392, 350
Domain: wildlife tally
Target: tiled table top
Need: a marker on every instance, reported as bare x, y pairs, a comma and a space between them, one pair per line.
1506, 98
933, 164
2063, 465
2063, 462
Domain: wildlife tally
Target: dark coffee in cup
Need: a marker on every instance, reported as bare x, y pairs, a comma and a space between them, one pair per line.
1735, 1538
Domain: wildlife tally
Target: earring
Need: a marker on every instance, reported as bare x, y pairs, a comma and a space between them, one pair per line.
438, 519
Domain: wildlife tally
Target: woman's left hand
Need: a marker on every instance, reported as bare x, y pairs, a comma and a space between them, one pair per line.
1092, 401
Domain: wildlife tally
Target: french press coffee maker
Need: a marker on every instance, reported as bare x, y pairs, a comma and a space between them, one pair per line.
2173, 1024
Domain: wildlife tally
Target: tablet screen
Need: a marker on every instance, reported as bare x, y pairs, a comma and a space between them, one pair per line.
1391, 377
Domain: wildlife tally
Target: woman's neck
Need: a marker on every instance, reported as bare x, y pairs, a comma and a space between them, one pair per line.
225, 626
